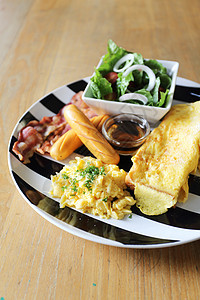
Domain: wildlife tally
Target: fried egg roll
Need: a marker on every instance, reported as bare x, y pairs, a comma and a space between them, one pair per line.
161, 167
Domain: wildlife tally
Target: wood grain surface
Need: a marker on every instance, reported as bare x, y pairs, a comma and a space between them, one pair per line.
44, 45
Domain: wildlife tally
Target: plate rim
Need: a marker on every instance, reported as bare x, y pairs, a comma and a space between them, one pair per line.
74, 230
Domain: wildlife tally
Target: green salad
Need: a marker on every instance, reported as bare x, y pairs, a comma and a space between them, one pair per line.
128, 77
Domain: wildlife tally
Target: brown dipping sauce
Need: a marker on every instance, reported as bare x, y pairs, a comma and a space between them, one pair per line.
125, 134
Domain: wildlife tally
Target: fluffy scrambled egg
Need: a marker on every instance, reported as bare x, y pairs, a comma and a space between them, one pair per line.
94, 187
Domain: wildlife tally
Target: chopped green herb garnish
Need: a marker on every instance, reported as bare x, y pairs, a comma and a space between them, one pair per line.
89, 174
65, 176
105, 199
88, 184
102, 171
74, 188
64, 187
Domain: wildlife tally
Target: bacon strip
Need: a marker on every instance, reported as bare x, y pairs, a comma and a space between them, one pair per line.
39, 136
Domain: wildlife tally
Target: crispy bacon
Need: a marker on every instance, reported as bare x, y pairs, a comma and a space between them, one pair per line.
29, 140
39, 136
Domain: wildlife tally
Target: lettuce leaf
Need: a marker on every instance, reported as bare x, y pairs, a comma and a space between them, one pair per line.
138, 59
95, 90
164, 96
156, 66
147, 94
100, 86
122, 83
165, 81
138, 78
155, 91
114, 53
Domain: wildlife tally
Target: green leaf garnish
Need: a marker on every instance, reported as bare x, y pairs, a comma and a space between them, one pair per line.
100, 85
123, 83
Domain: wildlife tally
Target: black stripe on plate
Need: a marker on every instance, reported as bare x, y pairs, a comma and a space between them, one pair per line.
41, 164
26, 119
52, 103
176, 217
187, 93
194, 184
12, 141
77, 86
84, 222
44, 166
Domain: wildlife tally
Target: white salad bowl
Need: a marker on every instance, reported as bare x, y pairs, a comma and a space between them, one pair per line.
151, 113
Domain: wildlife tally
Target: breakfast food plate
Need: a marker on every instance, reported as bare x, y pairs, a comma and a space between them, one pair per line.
178, 226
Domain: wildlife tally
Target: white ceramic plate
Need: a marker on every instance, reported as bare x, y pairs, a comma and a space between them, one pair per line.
178, 226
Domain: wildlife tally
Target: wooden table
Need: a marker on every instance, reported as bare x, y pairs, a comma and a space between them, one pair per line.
44, 45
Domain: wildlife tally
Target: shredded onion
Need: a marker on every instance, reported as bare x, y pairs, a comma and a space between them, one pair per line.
132, 96
128, 57
150, 73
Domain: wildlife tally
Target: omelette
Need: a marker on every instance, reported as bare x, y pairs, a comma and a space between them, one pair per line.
161, 167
